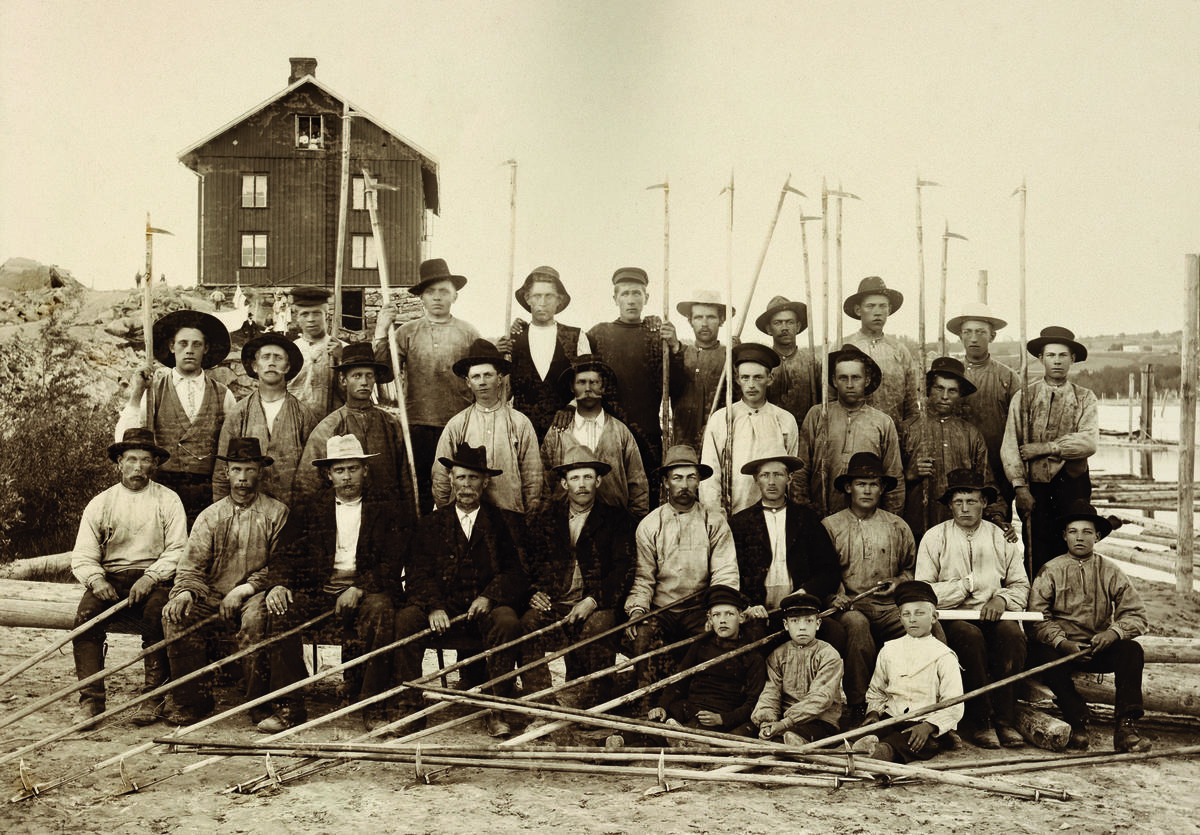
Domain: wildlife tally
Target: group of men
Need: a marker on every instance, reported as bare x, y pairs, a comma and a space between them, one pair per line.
525, 482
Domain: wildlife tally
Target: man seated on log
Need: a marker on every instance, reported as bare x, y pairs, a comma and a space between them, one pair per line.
224, 570
580, 554
464, 560
130, 539
971, 566
802, 700
721, 697
347, 556
914, 671
1089, 603
783, 548
682, 548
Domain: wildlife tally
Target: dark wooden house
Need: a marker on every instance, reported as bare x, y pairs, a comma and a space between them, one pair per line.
269, 186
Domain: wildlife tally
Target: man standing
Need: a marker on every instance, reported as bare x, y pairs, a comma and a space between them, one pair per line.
872, 305
464, 560
1052, 430
348, 557
581, 555
543, 350
873, 546
224, 570
692, 396
277, 418
971, 565
834, 432
592, 384
130, 539
187, 407
759, 428
795, 384
428, 348
313, 381
633, 348
506, 436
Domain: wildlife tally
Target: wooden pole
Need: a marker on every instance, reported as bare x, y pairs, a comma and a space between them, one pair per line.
946, 236
339, 262
1132, 395
762, 255
838, 252
921, 273
825, 269
512, 244
727, 464
665, 406
1098, 758
1147, 419
810, 312
1187, 428
63, 641
981, 289
1026, 401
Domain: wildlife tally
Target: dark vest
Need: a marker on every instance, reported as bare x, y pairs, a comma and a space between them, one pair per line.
192, 444
537, 399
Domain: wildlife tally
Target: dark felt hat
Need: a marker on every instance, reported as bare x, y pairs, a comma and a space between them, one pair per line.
872, 285
251, 348
433, 271
543, 274
216, 336
708, 298
243, 450
864, 465
754, 352
577, 458
682, 455
718, 595
137, 438
790, 461
914, 591
471, 458
307, 295
588, 362
481, 352
950, 367
1081, 510
1055, 335
778, 305
631, 274
964, 479
799, 603
361, 354
853, 352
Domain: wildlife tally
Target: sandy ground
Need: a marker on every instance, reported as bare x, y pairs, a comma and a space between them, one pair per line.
1161, 795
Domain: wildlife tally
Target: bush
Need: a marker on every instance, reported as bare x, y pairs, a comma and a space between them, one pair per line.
54, 436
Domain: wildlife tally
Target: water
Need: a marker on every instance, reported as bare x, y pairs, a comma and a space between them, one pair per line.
1161, 463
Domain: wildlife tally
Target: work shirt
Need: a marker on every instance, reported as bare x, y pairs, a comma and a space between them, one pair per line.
987, 409
428, 351
730, 688
912, 673
1065, 415
230, 544
511, 445
757, 433
680, 553
624, 486
314, 384
1082, 598
693, 399
796, 383
829, 437
804, 683
348, 517
871, 551
281, 435
967, 569
126, 530
953, 444
897, 394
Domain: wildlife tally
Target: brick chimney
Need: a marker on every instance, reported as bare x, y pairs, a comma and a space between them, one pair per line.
302, 67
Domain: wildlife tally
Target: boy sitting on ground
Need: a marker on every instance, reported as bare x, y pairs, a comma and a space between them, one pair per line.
721, 697
912, 672
802, 699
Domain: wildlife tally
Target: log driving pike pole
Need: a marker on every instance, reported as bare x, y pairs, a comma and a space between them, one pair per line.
808, 303
1027, 435
667, 424
946, 236
148, 317
727, 471
840, 195
921, 271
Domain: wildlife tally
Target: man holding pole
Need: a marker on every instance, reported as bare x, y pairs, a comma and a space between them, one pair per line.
130, 539
313, 381
695, 390
796, 383
874, 302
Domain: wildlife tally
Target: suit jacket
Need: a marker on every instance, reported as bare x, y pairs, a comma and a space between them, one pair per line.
605, 550
446, 571
812, 560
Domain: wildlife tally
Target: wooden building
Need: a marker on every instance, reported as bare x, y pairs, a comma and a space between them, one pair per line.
269, 185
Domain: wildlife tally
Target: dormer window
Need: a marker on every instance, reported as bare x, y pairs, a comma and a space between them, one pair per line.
310, 132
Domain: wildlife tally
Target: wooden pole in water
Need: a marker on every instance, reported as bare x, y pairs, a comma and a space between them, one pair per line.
1187, 427
1132, 391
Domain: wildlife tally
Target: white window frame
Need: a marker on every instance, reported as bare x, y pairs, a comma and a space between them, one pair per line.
312, 144
363, 255
258, 243
255, 181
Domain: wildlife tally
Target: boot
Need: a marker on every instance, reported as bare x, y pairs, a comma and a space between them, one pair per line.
1126, 738
89, 660
1080, 739
88, 710
156, 673
288, 714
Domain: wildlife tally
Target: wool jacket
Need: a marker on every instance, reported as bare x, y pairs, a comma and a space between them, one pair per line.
283, 441
192, 443
428, 351
316, 384
605, 552
812, 561
624, 486
230, 545
680, 553
987, 409
692, 398
512, 446
803, 683
829, 437
796, 384
953, 444
897, 394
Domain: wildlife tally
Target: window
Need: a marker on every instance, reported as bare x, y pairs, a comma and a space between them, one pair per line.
310, 132
362, 253
358, 194
254, 249
352, 310
254, 191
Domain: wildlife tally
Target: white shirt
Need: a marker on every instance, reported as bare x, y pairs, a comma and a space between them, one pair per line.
542, 339
466, 520
587, 430
778, 582
271, 410
349, 520
189, 390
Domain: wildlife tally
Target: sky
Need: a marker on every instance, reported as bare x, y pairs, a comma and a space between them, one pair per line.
1094, 105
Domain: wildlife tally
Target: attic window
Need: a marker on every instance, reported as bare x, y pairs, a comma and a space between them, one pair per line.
310, 132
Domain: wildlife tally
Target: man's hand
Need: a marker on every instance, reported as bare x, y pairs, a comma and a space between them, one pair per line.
993, 609
669, 336
103, 590
870, 719
1024, 501
756, 613
439, 621
708, 719
540, 601
1010, 531
138, 383
563, 419
516, 328
581, 611
279, 599
889, 587
349, 599
769, 729
178, 607
141, 589
504, 345
657, 714
924, 467
919, 735
1036, 450
384, 321
479, 606
1104, 640
841, 601
1072, 647
231, 604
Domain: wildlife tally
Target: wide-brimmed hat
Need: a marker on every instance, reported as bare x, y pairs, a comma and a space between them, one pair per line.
950, 367
790, 461
360, 354
709, 298
914, 591
216, 336
588, 362
1079, 510
245, 450
1055, 335
799, 603
778, 305
682, 455
634, 274
864, 465
872, 285
307, 295
543, 274
137, 438
250, 353
755, 352
471, 458
433, 271
480, 352
724, 595
853, 352
965, 479
343, 448
974, 311
579, 457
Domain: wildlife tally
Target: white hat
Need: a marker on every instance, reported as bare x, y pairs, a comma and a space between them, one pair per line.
342, 448
977, 311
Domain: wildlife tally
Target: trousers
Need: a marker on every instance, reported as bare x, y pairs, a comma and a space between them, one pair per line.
1124, 658
145, 618
191, 652
987, 651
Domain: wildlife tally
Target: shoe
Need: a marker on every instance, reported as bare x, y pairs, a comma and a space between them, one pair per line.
149, 712
853, 715
495, 725
865, 744
794, 739
1080, 739
1009, 736
374, 718
285, 716
984, 738
950, 741
1126, 739
88, 710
